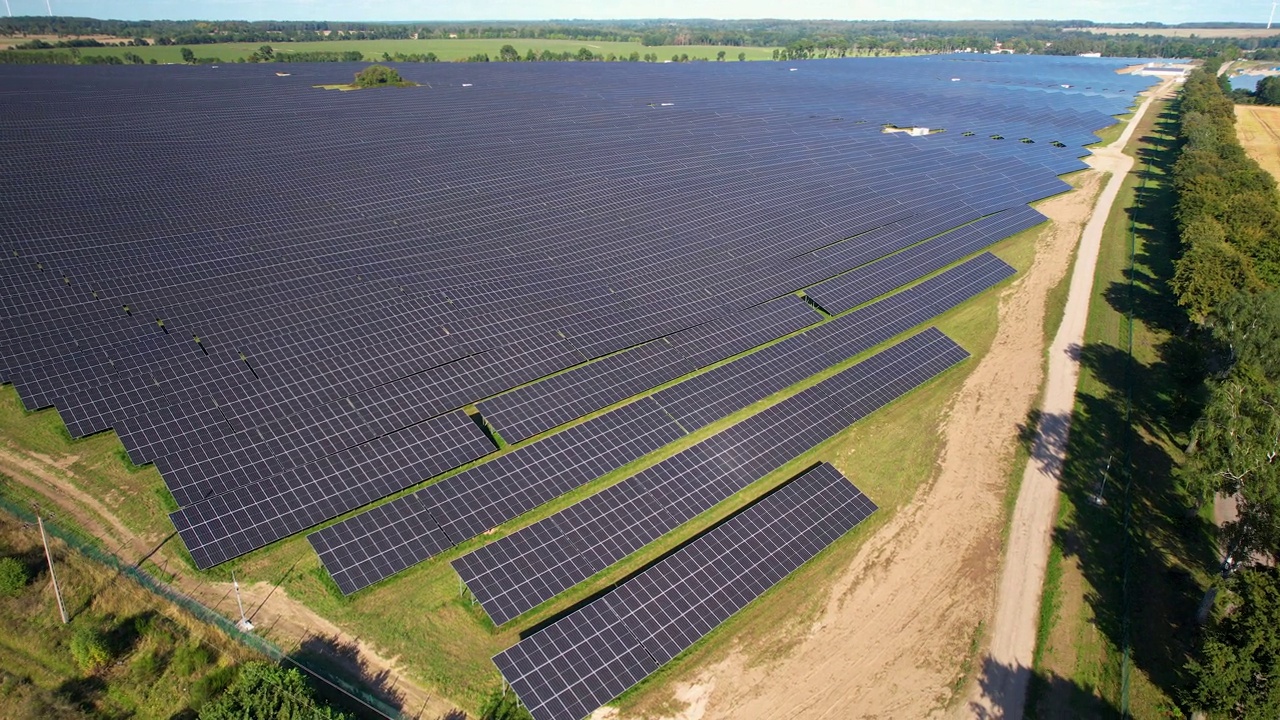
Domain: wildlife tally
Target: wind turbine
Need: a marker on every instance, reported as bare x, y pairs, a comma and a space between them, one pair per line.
1273, 14
7, 8
48, 6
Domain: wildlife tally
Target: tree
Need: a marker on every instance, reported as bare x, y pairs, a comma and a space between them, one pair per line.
585, 54
635, 56
266, 53
742, 56
1269, 90
530, 56
508, 53
720, 56
1237, 670
13, 576
1210, 272
188, 56
377, 76
264, 691
1235, 445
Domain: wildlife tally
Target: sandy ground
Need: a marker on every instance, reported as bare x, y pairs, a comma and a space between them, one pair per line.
287, 622
900, 620
1258, 127
1000, 691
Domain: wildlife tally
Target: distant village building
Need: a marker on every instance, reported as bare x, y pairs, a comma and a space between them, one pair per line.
1165, 70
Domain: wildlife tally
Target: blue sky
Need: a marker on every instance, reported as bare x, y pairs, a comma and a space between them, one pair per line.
1169, 11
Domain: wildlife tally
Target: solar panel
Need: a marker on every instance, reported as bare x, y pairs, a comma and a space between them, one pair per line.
496, 492
595, 653
244, 316
516, 573
255, 515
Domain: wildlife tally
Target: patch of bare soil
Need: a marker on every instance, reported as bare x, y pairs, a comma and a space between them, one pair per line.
288, 623
901, 619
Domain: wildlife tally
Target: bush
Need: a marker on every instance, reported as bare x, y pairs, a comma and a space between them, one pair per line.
13, 576
89, 649
268, 691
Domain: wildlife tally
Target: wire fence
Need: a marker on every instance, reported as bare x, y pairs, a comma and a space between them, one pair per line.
93, 549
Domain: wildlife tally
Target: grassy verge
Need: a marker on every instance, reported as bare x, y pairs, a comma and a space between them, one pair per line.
1121, 524
156, 661
1111, 133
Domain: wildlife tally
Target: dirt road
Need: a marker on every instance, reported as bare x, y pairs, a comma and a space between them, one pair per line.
900, 621
1001, 690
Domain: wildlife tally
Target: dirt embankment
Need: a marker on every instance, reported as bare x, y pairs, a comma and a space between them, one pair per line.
903, 616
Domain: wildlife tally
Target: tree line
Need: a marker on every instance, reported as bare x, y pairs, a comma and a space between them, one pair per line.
1227, 215
799, 38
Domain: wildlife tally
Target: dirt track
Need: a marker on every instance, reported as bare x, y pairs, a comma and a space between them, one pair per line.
900, 621
1001, 690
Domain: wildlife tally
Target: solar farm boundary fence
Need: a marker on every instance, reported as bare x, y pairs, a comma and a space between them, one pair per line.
77, 540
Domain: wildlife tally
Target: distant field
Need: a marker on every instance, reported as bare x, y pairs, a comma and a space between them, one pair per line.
1184, 32
445, 49
1259, 131
7, 42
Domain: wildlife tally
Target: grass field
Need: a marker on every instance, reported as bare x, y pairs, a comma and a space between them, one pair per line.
446, 50
444, 640
160, 659
1131, 419
1258, 127
1183, 32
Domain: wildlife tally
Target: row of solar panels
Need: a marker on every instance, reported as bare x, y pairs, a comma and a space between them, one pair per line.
519, 572
592, 655
392, 537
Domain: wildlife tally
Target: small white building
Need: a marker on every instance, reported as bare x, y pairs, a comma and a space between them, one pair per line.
1164, 70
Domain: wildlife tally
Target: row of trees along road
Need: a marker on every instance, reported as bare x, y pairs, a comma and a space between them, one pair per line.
1228, 219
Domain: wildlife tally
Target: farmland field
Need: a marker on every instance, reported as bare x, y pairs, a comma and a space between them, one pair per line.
1182, 32
1259, 130
446, 50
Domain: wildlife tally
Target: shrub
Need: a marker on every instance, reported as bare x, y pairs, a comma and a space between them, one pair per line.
13, 576
89, 649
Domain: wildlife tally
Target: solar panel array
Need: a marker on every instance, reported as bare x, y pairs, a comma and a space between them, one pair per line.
515, 574
592, 655
392, 537
284, 297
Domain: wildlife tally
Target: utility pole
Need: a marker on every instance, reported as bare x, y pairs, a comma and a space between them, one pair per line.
49, 557
244, 623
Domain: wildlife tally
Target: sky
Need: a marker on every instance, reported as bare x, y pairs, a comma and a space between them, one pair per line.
1167, 11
